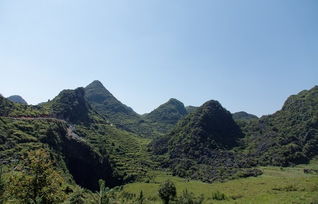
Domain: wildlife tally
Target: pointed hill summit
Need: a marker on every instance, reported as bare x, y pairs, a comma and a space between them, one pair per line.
105, 103
167, 115
122, 116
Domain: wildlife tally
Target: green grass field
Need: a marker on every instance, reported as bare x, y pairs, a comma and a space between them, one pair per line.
276, 185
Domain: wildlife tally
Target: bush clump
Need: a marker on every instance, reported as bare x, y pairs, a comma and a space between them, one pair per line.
218, 196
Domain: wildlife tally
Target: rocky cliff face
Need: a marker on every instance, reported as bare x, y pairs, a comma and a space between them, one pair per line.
85, 165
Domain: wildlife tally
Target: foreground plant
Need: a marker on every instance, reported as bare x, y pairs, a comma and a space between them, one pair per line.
167, 191
35, 180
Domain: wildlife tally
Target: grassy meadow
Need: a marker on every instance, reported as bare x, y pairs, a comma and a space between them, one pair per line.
276, 185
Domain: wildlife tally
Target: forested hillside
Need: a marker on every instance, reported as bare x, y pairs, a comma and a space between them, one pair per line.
289, 136
200, 146
86, 137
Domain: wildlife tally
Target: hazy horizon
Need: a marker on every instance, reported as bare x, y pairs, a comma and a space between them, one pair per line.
248, 55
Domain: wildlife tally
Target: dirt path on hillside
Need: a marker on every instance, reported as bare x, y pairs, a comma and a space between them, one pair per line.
34, 118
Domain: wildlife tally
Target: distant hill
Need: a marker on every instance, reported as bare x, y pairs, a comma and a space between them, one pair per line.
243, 116
17, 99
191, 109
166, 115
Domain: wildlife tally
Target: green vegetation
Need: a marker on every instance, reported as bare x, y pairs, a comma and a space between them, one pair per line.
2, 186
103, 199
200, 146
189, 198
167, 191
35, 181
141, 198
288, 137
11, 109
210, 127
191, 109
151, 125
126, 152
17, 99
208, 144
120, 115
84, 146
105, 103
218, 196
166, 116
243, 116
89, 150
70, 105
276, 185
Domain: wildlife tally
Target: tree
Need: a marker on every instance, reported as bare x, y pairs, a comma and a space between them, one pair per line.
36, 181
1, 186
167, 191
141, 198
103, 199
77, 197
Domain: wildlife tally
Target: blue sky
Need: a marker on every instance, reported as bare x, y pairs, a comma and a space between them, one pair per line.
250, 55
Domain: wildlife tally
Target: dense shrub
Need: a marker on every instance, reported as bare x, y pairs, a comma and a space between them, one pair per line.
189, 198
218, 196
167, 191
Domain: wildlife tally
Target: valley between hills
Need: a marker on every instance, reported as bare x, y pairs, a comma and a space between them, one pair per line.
85, 146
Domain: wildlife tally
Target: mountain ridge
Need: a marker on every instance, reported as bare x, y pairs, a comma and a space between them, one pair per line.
242, 115
114, 143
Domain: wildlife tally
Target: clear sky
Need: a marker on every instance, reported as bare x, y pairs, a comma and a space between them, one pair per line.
248, 54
